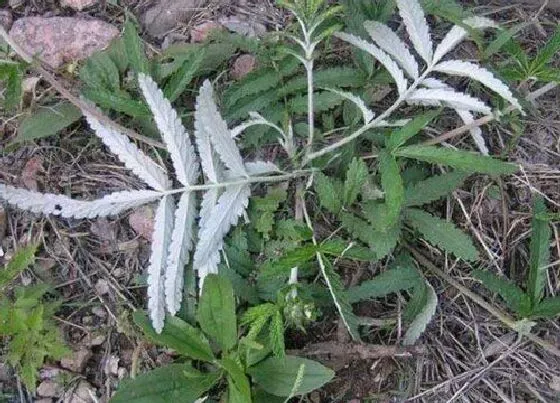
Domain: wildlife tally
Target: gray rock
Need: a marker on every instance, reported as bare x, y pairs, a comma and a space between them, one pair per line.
167, 14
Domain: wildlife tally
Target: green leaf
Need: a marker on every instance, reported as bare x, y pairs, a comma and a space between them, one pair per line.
514, 296
216, 311
117, 53
21, 260
433, 188
135, 48
540, 252
411, 129
12, 73
178, 82
172, 383
239, 388
328, 196
276, 334
442, 234
293, 258
322, 101
392, 185
417, 301
502, 39
547, 308
100, 72
119, 101
421, 321
277, 376
396, 279
381, 242
47, 122
463, 160
178, 335
339, 297
346, 250
356, 176
546, 54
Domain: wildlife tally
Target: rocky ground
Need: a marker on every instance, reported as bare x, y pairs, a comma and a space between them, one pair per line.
467, 354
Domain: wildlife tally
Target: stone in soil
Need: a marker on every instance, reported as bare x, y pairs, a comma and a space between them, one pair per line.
142, 221
6, 19
243, 65
165, 15
200, 32
78, 4
83, 393
76, 361
58, 40
49, 389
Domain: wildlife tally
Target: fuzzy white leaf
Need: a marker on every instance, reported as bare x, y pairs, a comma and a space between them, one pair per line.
179, 248
211, 164
208, 119
256, 119
475, 72
230, 206
389, 41
210, 267
130, 155
417, 28
418, 325
258, 168
457, 34
163, 227
466, 116
383, 58
47, 203
172, 131
367, 114
456, 100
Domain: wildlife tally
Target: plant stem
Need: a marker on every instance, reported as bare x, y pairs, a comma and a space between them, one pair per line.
310, 106
246, 181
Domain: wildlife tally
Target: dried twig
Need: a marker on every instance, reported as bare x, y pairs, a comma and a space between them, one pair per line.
358, 351
79, 103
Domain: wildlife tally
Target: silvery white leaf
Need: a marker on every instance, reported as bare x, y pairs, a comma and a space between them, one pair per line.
179, 248
230, 206
258, 168
134, 159
381, 56
172, 131
449, 97
457, 34
367, 114
417, 28
47, 203
163, 227
483, 76
209, 120
421, 321
388, 41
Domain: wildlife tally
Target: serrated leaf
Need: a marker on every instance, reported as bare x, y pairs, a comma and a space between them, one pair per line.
381, 242
276, 334
336, 289
389, 41
12, 73
161, 237
381, 56
66, 207
229, 207
463, 160
119, 101
417, 28
174, 382
135, 48
179, 248
47, 122
131, 156
178, 335
546, 54
216, 311
322, 101
442, 233
237, 382
539, 252
396, 279
172, 131
392, 185
475, 72
326, 191
514, 296
449, 97
421, 321
178, 82
258, 168
100, 72
411, 129
284, 264
211, 121
433, 188
547, 308
346, 250
356, 176
278, 375
22, 259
